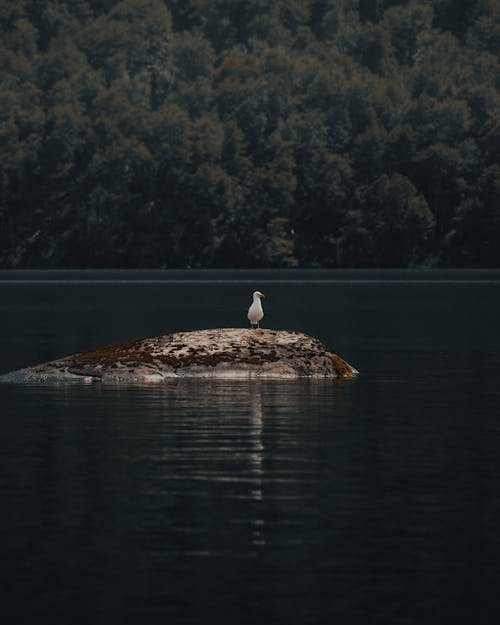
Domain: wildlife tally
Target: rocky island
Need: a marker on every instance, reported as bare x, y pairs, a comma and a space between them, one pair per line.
219, 353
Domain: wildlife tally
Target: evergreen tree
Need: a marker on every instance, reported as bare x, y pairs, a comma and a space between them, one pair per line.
242, 132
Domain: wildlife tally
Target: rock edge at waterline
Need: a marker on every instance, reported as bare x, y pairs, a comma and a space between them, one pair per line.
222, 353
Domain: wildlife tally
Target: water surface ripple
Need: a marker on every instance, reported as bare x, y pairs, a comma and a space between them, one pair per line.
374, 500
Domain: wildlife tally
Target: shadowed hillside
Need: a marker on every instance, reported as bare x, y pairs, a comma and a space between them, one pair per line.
249, 133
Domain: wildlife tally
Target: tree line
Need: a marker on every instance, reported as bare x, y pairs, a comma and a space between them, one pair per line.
249, 133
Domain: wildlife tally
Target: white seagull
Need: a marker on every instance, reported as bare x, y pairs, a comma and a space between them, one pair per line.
255, 312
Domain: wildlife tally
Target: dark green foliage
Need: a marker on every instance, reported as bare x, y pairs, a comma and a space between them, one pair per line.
146, 133
399, 221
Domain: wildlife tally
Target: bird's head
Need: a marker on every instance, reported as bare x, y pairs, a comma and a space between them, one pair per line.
258, 295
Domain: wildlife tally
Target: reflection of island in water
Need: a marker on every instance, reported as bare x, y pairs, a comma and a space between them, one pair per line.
211, 451
195, 468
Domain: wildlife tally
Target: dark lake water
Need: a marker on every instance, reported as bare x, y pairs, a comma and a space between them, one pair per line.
375, 500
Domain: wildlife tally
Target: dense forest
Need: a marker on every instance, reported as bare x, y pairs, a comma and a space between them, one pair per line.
249, 133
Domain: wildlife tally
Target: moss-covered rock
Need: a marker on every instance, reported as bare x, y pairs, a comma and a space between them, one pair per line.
220, 353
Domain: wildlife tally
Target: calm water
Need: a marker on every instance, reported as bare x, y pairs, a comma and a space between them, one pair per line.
370, 501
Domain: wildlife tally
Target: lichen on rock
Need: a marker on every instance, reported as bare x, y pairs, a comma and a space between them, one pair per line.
222, 353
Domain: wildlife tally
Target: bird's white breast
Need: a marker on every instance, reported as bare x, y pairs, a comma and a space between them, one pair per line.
255, 312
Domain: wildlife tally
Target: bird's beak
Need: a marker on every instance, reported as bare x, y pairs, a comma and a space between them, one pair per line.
262, 296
